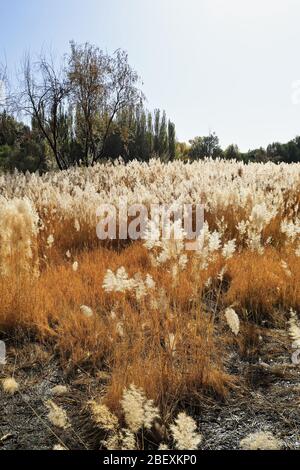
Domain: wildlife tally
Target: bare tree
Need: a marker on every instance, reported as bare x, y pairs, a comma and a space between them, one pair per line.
3, 86
74, 106
43, 96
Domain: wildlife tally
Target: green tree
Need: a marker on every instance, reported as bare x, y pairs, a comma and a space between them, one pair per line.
232, 152
172, 140
163, 136
156, 130
205, 147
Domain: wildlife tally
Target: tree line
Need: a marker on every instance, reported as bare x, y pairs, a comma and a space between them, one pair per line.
89, 107
208, 147
86, 109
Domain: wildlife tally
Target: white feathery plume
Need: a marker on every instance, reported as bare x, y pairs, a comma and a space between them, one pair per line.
294, 329
138, 410
229, 249
261, 440
50, 240
10, 385
57, 415
75, 266
87, 311
184, 433
233, 320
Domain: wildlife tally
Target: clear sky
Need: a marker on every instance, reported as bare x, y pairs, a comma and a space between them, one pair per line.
223, 65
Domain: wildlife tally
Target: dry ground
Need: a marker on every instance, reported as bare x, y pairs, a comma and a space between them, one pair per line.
267, 399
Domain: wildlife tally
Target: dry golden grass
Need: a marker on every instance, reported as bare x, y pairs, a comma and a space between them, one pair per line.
262, 288
49, 307
173, 352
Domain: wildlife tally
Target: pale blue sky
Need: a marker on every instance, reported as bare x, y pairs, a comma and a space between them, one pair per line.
222, 65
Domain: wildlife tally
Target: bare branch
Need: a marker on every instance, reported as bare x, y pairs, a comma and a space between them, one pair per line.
42, 97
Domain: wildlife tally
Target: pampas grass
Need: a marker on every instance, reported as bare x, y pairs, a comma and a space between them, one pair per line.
57, 415
233, 320
59, 390
140, 416
294, 329
261, 441
59, 447
102, 416
10, 385
87, 311
138, 410
184, 433
150, 312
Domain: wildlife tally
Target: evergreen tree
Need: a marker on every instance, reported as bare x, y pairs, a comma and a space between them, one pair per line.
172, 140
150, 135
163, 136
156, 130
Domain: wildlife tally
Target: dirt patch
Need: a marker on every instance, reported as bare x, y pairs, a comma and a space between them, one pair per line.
268, 399
24, 423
